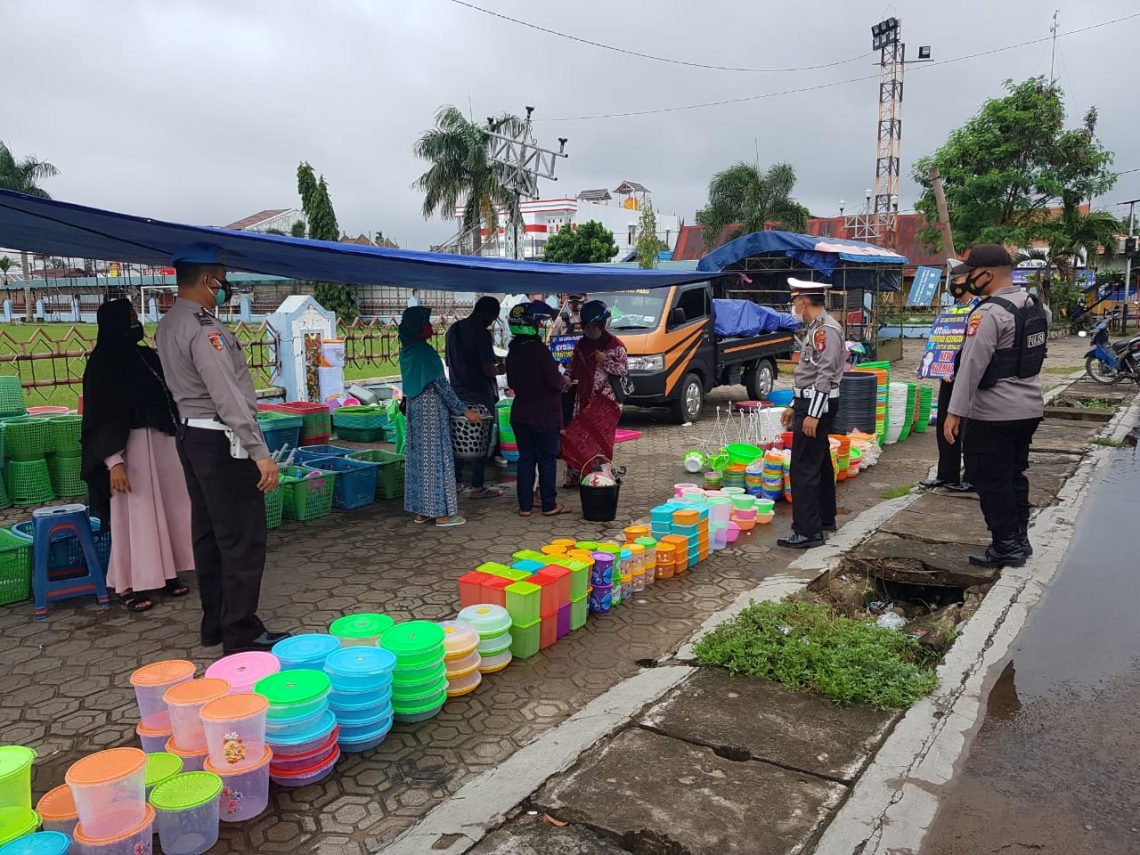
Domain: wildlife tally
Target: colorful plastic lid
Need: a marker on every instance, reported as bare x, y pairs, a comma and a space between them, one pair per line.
611, 548
83, 839
310, 647
172, 748
295, 686
14, 759
489, 620
636, 549
186, 791
57, 804
160, 766
308, 770
319, 751
319, 730
40, 843
587, 545
564, 542
360, 662
266, 756
163, 673
418, 695
647, 542
413, 638
153, 732
103, 767
244, 669
364, 625
234, 707
460, 637
602, 557
426, 704
15, 822
196, 693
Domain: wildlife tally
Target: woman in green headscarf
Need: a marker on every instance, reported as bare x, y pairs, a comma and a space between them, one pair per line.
429, 470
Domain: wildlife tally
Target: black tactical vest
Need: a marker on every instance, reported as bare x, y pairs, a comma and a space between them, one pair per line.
1030, 339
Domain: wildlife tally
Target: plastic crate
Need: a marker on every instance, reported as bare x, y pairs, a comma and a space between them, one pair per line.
355, 480
390, 473
361, 417
64, 551
313, 452
25, 438
306, 493
65, 435
66, 475
15, 568
12, 401
277, 438
274, 508
29, 482
357, 434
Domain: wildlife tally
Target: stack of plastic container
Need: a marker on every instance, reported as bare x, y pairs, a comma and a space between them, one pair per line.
361, 696
524, 605
300, 728
897, 396
360, 630
150, 683
419, 681
616, 590
720, 515
238, 754
305, 651
56, 808
461, 657
600, 599
772, 478
109, 788
186, 812
649, 544
16, 815
185, 702
493, 623
243, 670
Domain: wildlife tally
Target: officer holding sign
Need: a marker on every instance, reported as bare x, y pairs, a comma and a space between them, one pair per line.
816, 380
997, 404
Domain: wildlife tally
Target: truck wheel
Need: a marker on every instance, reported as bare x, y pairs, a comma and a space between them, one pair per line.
759, 380
687, 407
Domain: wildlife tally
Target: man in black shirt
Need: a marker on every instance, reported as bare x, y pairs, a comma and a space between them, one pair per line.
472, 371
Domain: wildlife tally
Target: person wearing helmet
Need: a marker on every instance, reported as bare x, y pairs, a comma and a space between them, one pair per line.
598, 362
569, 320
536, 414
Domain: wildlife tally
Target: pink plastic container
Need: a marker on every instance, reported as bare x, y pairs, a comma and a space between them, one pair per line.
245, 793
308, 760
185, 702
109, 788
153, 741
242, 670
235, 730
304, 777
151, 682
136, 840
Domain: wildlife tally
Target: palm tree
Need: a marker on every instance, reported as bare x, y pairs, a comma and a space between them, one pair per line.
1075, 234
24, 175
461, 171
745, 199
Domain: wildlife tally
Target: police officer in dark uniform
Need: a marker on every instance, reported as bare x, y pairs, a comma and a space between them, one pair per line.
997, 403
224, 456
816, 381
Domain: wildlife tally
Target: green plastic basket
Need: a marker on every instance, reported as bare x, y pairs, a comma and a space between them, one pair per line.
5, 502
65, 435
390, 476
29, 482
12, 401
15, 568
66, 475
274, 508
25, 438
304, 497
361, 434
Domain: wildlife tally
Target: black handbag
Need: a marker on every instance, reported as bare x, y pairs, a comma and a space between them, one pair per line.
622, 387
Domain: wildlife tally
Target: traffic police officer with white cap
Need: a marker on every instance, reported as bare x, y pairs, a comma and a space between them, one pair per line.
816, 401
997, 402
224, 456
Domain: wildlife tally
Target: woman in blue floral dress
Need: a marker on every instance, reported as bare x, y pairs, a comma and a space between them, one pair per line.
429, 470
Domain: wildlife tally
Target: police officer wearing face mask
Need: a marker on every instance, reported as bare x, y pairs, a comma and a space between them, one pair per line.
997, 404
816, 380
224, 456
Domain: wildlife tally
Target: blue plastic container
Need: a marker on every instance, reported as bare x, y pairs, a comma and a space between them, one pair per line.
305, 651
39, 843
781, 397
355, 746
360, 669
355, 484
378, 725
310, 736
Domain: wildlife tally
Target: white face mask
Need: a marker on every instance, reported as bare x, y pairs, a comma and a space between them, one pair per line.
798, 316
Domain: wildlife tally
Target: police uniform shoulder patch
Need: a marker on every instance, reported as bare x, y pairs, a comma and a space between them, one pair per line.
819, 340
216, 341
973, 324
204, 318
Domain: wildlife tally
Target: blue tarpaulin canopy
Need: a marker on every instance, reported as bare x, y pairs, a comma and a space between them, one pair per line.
820, 253
75, 231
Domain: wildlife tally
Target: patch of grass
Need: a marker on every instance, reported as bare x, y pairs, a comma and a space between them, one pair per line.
806, 648
1062, 369
897, 490
1108, 442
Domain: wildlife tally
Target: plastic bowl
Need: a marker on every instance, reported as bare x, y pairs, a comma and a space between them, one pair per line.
151, 682
186, 812
40, 843
309, 758
192, 761
460, 686
109, 788
305, 651
360, 669
764, 519
153, 740
185, 702
304, 740
459, 639
354, 701
421, 713
245, 793
294, 693
359, 732
494, 646
494, 664
16, 776
457, 668
416, 643
56, 808
353, 717
136, 839
310, 775
235, 730
360, 630
243, 670
418, 681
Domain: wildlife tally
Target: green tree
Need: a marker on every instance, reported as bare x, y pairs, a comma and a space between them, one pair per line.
298, 229
462, 173
319, 213
321, 216
306, 184
24, 175
745, 199
5, 263
1008, 169
337, 298
589, 243
648, 244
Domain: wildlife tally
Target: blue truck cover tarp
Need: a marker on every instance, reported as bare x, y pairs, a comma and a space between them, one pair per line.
733, 318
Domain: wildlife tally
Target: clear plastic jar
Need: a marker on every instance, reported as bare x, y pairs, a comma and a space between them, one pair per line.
636, 558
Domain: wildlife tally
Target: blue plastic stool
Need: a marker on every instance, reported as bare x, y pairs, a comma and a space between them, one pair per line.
66, 582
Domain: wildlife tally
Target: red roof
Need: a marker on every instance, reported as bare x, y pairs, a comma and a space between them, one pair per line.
254, 219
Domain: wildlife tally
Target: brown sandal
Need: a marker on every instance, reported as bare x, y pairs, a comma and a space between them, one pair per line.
561, 509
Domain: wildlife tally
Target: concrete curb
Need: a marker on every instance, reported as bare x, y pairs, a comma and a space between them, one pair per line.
895, 800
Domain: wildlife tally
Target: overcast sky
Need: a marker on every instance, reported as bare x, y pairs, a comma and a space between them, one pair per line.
200, 111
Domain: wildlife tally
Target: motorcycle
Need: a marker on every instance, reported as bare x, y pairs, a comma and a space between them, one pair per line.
1110, 363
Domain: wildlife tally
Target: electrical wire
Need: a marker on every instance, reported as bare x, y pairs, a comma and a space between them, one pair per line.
848, 81
639, 55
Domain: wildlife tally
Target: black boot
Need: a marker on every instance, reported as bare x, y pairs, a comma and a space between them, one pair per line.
1004, 552
1026, 546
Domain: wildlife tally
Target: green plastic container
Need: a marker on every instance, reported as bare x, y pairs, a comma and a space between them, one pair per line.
65, 435
529, 555
160, 767
578, 612
29, 482
420, 711
587, 545
274, 508
416, 643
15, 568
305, 498
66, 475
421, 695
390, 474
413, 683
524, 603
16, 776
186, 791
12, 401
579, 582
493, 568
363, 629
25, 438
16, 822
525, 639
291, 693
505, 572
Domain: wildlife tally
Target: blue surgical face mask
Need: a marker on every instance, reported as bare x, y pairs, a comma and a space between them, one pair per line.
224, 292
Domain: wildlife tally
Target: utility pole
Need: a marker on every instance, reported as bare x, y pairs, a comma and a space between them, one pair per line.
1128, 266
1053, 55
943, 213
